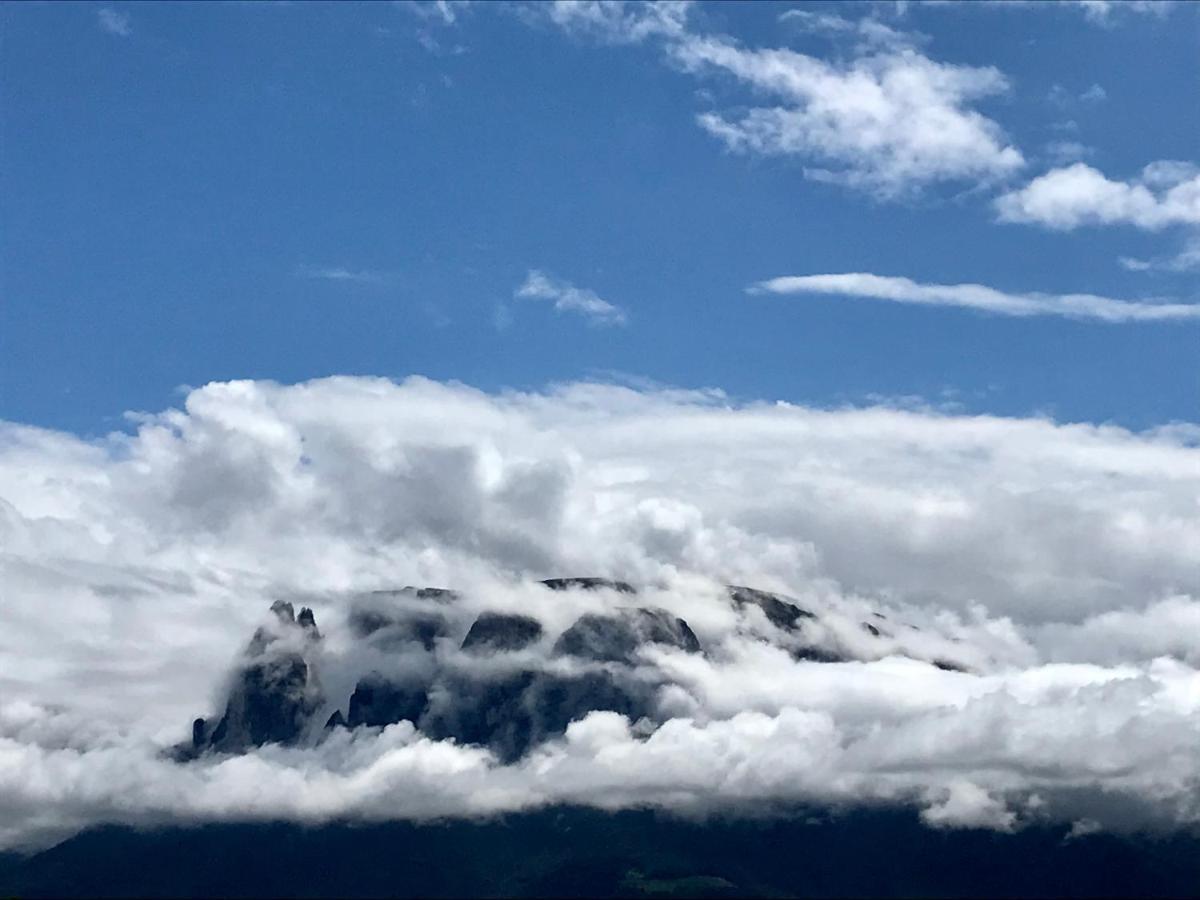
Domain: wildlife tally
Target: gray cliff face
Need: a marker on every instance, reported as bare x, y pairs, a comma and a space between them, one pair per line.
589, 584
503, 685
790, 619
493, 632
392, 628
617, 637
513, 713
275, 691
779, 612
377, 701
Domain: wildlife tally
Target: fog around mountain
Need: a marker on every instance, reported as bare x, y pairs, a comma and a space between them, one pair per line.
998, 623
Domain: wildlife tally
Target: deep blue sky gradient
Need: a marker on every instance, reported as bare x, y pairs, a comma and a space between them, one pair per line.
164, 195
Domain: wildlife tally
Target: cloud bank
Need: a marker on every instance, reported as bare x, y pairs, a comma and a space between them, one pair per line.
978, 296
1055, 561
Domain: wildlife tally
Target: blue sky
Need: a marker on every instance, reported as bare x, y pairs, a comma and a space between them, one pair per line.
198, 192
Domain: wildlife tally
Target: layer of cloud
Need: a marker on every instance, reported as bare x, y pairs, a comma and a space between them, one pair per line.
1057, 560
1166, 193
978, 296
568, 298
888, 120
114, 21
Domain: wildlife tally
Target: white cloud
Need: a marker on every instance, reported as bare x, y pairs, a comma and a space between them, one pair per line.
1099, 12
1063, 152
1186, 260
568, 298
445, 12
1057, 561
888, 123
980, 297
437, 16
1060, 96
114, 21
867, 32
1167, 193
340, 273
889, 120
967, 804
618, 22
1102, 11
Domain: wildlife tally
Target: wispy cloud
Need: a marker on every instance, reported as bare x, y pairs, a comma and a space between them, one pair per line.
1098, 12
340, 273
444, 11
1186, 260
1065, 152
437, 16
114, 21
568, 298
1166, 193
867, 32
888, 120
1061, 97
977, 296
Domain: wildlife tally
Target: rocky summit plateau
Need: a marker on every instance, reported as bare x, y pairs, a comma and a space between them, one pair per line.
492, 678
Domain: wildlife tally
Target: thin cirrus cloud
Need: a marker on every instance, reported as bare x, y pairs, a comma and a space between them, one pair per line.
1165, 193
341, 273
566, 297
114, 22
1098, 12
867, 286
1186, 260
887, 120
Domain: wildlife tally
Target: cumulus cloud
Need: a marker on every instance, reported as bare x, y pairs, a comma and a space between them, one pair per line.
887, 123
978, 296
1166, 193
114, 21
888, 120
568, 298
1055, 563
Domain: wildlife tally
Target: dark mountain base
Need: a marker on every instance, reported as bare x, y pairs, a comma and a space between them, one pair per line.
582, 852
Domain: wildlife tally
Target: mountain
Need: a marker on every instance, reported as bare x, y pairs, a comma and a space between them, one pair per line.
574, 852
533, 685
458, 668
